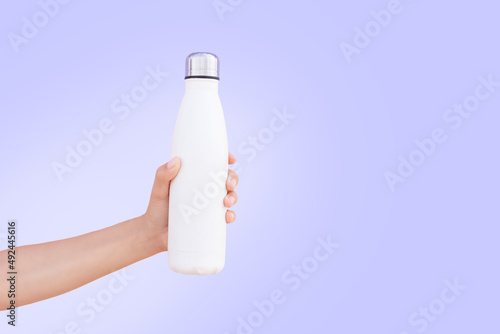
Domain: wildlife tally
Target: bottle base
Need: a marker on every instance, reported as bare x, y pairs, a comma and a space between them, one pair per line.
196, 263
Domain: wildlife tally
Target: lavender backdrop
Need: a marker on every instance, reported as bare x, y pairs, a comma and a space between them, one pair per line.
370, 205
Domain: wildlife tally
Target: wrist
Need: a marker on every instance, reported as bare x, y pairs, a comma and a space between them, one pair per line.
152, 238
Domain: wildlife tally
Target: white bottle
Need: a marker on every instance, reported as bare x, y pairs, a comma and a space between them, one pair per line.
197, 223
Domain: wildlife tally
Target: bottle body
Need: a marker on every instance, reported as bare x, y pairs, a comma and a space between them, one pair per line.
197, 223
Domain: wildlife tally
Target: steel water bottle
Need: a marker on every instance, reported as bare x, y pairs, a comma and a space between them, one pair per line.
197, 224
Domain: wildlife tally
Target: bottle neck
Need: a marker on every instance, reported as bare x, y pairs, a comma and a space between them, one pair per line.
202, 84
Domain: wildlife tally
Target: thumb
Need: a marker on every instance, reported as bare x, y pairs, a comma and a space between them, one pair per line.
164, 175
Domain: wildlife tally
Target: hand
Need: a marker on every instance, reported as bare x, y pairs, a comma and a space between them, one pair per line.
53, 268
156, 216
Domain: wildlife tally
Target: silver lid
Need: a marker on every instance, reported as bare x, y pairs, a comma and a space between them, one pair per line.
202, 65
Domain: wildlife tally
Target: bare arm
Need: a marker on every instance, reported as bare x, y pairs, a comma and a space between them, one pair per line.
53, 268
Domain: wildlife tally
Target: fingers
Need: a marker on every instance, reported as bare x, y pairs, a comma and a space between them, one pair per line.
164, 175
230, 199
230, 216
232, 180
232, 158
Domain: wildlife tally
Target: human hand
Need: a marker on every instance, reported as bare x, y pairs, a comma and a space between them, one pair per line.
53, 268
156, 216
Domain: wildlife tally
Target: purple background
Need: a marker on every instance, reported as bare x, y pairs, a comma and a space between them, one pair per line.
322, 175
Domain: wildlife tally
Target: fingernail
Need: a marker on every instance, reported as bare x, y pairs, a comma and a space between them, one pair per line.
232, 182
230, 199
232, 217
171, 164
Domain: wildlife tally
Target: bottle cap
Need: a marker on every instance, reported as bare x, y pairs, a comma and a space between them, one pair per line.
202, 65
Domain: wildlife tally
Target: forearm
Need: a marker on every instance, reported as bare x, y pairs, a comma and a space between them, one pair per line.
50, 269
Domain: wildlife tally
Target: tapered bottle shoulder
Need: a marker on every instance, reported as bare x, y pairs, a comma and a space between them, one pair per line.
201, 108
199, 101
